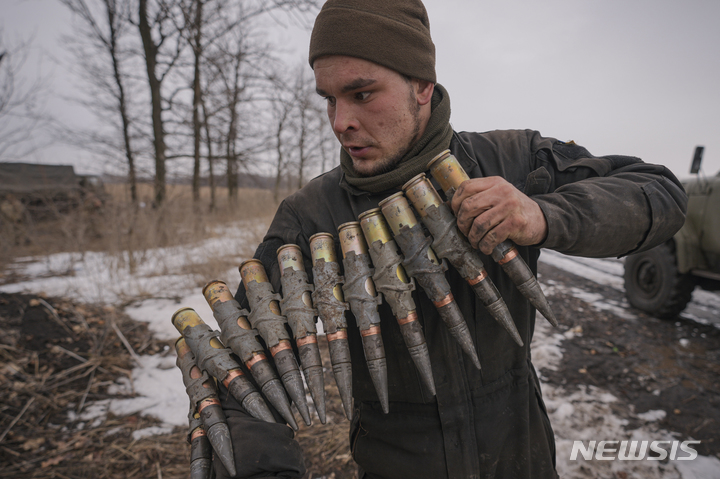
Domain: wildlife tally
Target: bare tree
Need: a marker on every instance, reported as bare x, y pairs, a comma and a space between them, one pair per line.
103, 32
21, 103
162, 48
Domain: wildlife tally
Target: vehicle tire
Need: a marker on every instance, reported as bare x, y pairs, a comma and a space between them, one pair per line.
654, 285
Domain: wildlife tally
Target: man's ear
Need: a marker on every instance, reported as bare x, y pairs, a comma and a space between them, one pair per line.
423, 91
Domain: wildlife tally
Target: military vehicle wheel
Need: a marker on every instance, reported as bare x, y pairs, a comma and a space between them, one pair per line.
654, 285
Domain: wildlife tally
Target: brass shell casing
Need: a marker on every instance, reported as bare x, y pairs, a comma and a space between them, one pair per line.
397, 212
181, 347
446, 169
422, 194
215, 291
352, 239
375, 227
322, 246
186, 318
290, 256
252, 270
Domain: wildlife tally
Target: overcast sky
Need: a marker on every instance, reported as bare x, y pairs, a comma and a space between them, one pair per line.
635, 77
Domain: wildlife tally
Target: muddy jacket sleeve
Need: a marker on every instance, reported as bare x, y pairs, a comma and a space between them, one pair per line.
595, 206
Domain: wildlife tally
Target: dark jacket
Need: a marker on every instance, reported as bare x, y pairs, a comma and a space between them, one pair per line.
489, 423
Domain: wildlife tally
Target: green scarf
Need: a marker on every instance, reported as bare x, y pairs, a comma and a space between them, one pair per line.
434, 140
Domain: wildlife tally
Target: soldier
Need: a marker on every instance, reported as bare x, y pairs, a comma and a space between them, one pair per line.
374, 63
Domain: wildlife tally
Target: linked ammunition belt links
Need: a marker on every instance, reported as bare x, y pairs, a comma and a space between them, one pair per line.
242, 341
270, 325
215, 361
194, 387
363, 304
300, 316
396, 292
326, 276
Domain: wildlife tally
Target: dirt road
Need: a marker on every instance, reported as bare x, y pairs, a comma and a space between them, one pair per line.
661, 376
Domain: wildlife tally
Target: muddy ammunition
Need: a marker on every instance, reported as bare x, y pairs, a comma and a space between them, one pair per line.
450, 174
449, 243
328, 299
212, 356
236, 332
200, 448
265, 316
392, 281
422, 264
204, 399
360, 292
297, 307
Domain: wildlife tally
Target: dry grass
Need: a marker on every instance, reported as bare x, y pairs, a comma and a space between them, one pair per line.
119, 227
57, 357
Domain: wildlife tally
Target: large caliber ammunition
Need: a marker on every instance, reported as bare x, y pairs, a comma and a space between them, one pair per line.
450, 244
392, 281
236, 332
450, 174
328, 299
422, 264
297, 307
360, 292
212, 356
204, 399
200, 448
265, 316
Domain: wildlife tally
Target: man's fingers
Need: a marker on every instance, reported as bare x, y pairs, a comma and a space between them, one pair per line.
468, 189
487, 231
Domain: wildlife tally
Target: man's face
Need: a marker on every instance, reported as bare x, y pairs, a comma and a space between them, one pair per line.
375, 112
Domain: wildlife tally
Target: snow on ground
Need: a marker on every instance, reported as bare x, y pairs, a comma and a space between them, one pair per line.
587, 415
108, 279
161, 276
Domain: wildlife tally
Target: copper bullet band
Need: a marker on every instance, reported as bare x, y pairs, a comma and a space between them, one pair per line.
445, 301
481, 277
281, 346
340, 334
208, 402
412, 316
371, 331
256, 358
309, 339
198, 432
232, 374
510, 255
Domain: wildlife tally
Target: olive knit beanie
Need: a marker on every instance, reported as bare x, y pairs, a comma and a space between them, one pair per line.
392, 33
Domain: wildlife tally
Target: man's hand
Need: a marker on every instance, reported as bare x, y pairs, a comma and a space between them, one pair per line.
491, 210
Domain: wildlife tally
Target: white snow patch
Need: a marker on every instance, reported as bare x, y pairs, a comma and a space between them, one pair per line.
587, 415
151, 431
652, 415
596, 270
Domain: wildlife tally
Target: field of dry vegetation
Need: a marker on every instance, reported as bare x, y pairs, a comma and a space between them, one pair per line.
118, 226
58, 355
